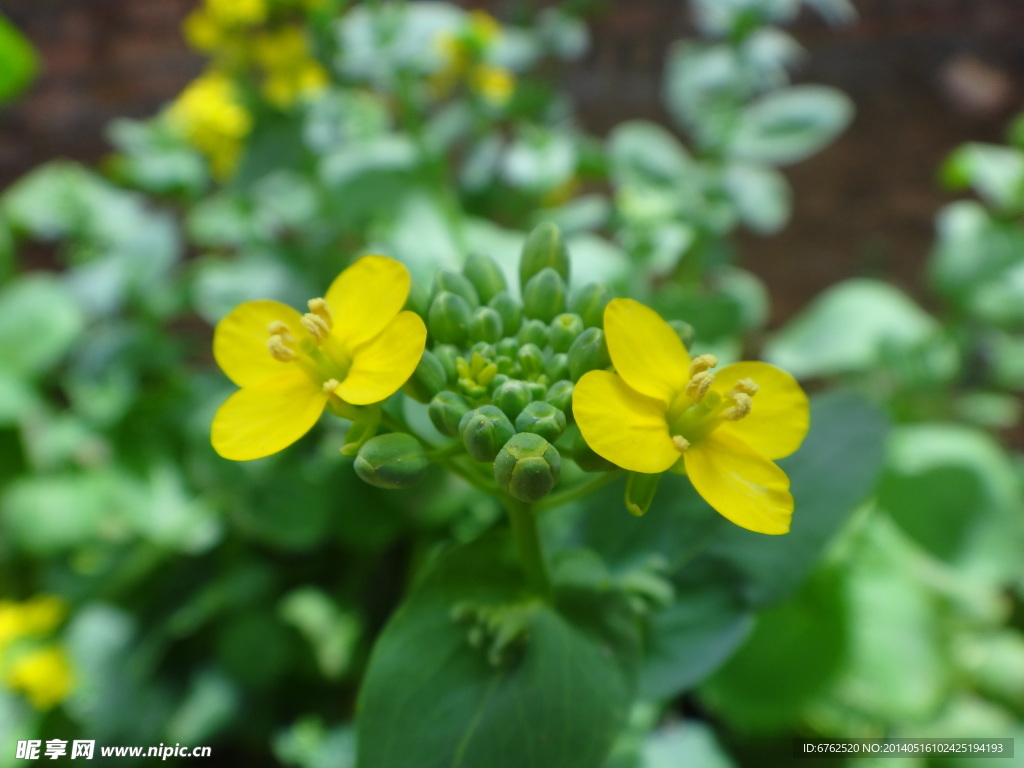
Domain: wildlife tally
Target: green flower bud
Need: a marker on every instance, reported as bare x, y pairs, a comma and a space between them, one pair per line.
564, 330
507, 365
419, 299
446, 411
538, 388
559, 395
511, 397
533, 332
391, 461
449, 318
544, 296
455, 283
588, 353
557, 367
685, 331
507, 348
531, 359
586, 459
499, 378
485, 275
484, 350
447, 354
640, 490
543, 249
485, 325
484, 431
427, 380
590, 302
505, 304
527, 467
542, 419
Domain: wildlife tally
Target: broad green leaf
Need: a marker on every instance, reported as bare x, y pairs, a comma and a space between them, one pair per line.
309, 744
539, 160
219, 285
705, 86
761, 195
846, 329
18, 61
209, 705
688, 744
996, 173
643, 152
557, 698
832, 473
39, 322
973, 247
790, 125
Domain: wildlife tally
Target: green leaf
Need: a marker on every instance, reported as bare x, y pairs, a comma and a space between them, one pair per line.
832, 473
431, 700
973, 247
642, 152
761, 195
689, 743
847, 329
18, 61
790, 125
996, 173
705, 86
39, 322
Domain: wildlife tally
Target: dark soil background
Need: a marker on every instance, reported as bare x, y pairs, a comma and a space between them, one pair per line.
926, 75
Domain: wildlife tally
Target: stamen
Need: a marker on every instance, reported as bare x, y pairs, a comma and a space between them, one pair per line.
322, 309
330, 385
279, 350
702, 363
746, 386
278, 328
680, 442
316, 326
699, 384
740, 407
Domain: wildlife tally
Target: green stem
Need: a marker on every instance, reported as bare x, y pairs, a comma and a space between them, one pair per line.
523, 521
580, 490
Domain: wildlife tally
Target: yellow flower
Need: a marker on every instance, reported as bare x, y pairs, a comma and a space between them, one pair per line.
354, 346
36, 617
483, 27
494, 84
664, 411
43, 674
237, 12
211, 116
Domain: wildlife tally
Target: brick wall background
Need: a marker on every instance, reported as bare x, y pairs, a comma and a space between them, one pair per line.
926, 75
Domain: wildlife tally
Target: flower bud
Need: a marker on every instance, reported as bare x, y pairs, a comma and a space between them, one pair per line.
564, 330
640, 490
559, 395
588, 353
449, 318
507, 348
538, 388
455, 283
543, 249
395, 460
685, 331
542, 419
533, 332
485, 275
544, 296
590, 302
447, 354
499, 378
505, 304
557, 367
511, 397
446, 411
484, 431
485, 325
531, 359
419, 299
527, 467
427, 380
586, 459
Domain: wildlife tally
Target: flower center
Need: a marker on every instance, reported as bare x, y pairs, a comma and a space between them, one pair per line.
696, 412
320, 354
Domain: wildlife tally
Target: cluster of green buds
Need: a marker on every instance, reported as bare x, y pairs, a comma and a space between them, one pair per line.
498, 372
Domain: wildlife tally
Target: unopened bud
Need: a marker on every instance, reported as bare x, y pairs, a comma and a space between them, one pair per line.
544, 296
485, 326
559, 395
427, 380
507, 348
485, 275
449, 318
396, 460
534, 332
589, 304
542, 419
531, 359
447, 354
453, 282
557, 367
446, 410
484, 431
640, 490
511, 311
527, 467
543, 249
511, 397
564, 330
588, 353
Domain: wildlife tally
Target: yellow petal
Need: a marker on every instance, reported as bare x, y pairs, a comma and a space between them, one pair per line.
622, 425
260, 420
645, 350
740, 483
366, 297
240, 341
780, 415
385, 363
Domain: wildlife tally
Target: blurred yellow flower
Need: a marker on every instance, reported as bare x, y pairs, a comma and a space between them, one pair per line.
354, 346
44, 675
211, 116
37, 616
290, 71
662, 411
238, 12
494, 84
483, 27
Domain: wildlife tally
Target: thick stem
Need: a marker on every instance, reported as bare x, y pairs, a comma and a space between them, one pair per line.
527, 538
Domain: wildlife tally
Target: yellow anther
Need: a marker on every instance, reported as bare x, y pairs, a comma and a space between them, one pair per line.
746, 387
322, 309
278, 328
330, 385
279, 350
699, 385
680, 442
316, 326
702, 363
741, 404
